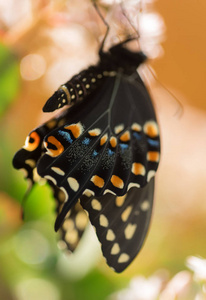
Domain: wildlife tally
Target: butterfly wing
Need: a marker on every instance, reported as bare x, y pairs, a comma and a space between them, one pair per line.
121, 223
111, 146
26, 159
74, 224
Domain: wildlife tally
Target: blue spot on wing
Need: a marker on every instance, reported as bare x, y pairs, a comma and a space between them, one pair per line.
86, 141
95, 153
153, 142
110, 152
66, 136
123, 146
137, 135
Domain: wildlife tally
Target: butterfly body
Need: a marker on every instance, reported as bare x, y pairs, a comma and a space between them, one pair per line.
104, 150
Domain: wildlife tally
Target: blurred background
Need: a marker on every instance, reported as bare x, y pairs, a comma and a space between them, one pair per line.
42, 44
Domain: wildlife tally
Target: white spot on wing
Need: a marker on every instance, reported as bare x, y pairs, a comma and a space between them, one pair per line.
68, 224
118, 128
81, 220
123, 258
88, 193
25, 172
96, 204
73, 183
50, 178
110, 235
150, 174
109, 191
145, 205
103, 221
126, 213
65, 193
115, 249
71, 236
130, 230
132, 184
30, 162
136, 127
58, 171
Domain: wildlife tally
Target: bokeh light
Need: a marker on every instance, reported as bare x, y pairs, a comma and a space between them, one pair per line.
26, 246
32, 66
36, 288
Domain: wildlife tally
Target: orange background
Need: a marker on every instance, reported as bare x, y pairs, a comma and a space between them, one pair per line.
183, 66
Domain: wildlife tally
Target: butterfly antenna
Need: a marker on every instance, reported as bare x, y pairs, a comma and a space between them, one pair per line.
180, 108
105, 23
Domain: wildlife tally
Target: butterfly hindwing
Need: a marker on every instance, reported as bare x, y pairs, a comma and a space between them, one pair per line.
121, 223
74, 223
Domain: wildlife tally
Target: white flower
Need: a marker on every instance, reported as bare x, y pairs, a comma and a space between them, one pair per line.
177, 286
141, 288
198, 266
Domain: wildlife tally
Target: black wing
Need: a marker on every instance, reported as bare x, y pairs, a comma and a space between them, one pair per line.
26, 159
121, 223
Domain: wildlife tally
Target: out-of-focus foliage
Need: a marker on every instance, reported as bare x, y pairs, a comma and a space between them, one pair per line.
9, 81
42, 44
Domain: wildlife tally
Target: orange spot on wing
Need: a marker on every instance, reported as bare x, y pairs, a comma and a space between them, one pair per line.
103, 139
117, 181
153, 156
76, 129
32, 141
138, 169
98, 181
125, 137
151, 129
59, 147
113, 141
94, 132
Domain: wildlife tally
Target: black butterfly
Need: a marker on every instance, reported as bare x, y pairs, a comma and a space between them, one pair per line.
103, 151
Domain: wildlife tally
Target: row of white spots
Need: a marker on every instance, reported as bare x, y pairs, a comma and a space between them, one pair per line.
73, 183
129, 230
72, 233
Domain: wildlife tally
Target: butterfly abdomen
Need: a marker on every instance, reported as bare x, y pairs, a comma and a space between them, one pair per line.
78, 88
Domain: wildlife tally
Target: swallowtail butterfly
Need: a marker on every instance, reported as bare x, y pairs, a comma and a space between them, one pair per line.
100, 155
